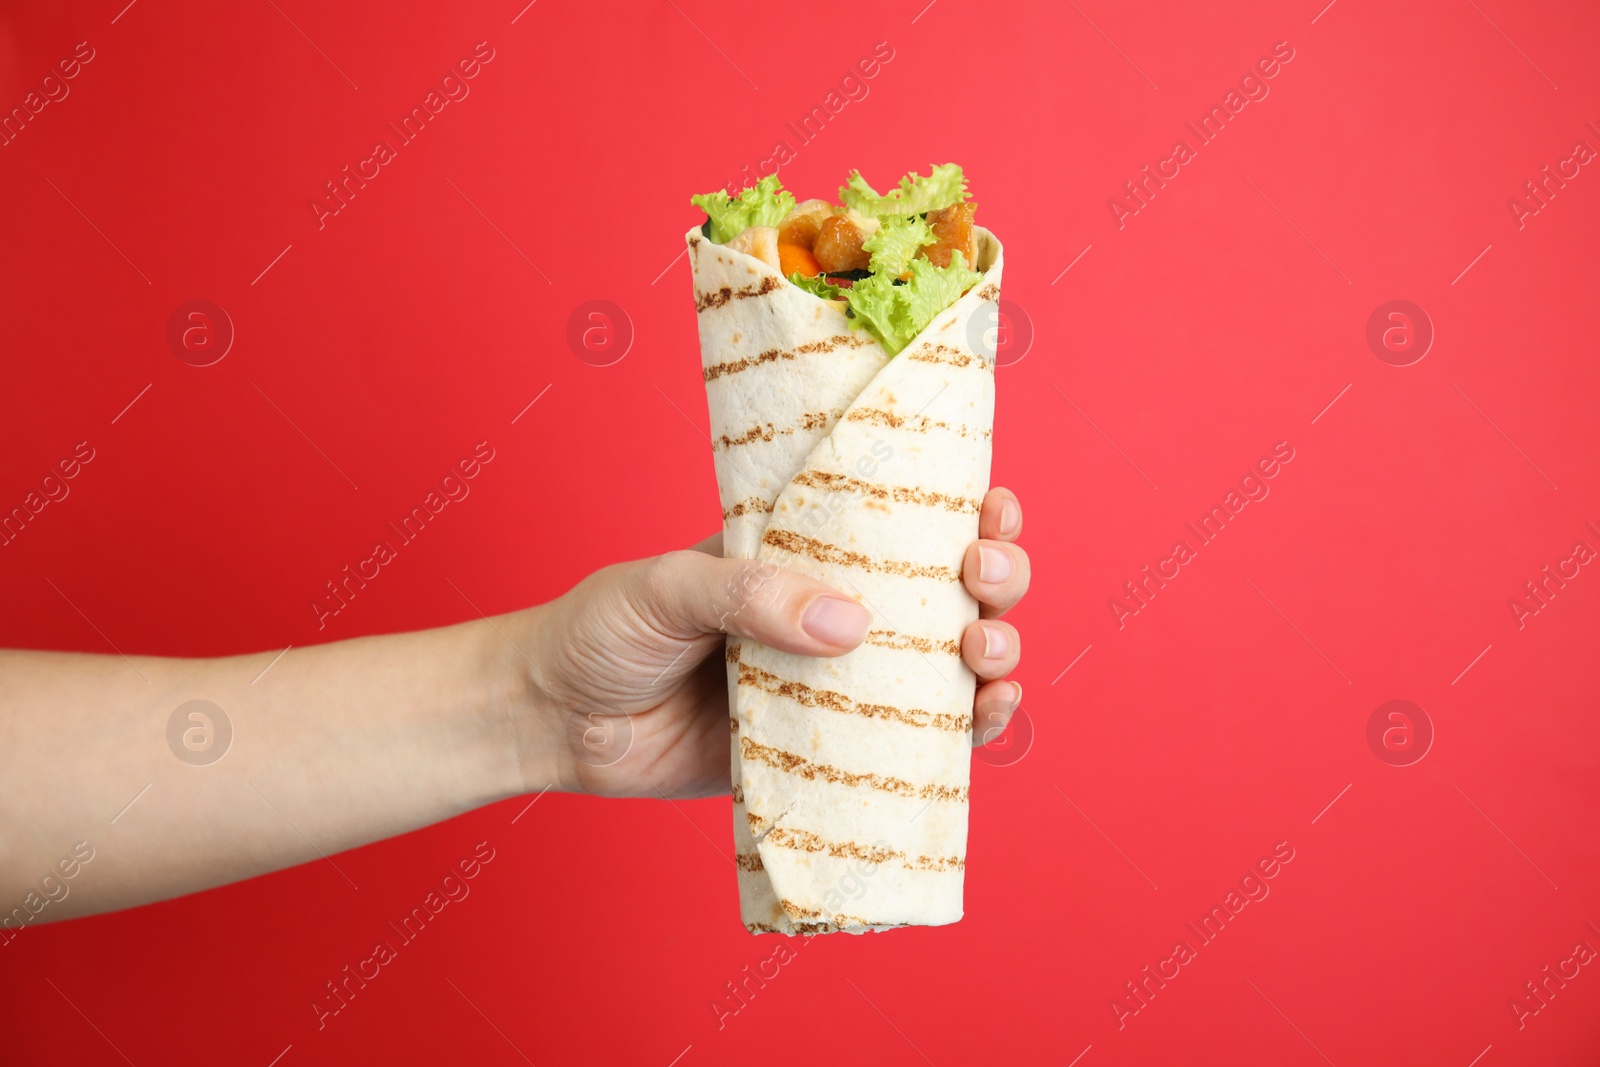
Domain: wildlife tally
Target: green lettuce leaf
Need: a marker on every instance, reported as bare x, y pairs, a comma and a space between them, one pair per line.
895, 243
763, 205
944, 185
817, 286
894, 314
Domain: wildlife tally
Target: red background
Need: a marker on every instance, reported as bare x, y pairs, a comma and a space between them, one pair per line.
1221, 319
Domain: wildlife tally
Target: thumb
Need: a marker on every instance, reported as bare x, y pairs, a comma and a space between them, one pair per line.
690, 593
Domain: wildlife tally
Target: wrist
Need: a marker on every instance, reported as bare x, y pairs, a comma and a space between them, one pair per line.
522, 703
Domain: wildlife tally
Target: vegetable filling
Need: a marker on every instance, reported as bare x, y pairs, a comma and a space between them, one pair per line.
896, 259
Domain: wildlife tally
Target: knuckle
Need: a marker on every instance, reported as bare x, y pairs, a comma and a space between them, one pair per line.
754, 584
744, 587
660, 576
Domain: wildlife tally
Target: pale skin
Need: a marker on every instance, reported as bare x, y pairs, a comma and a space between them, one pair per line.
341, 744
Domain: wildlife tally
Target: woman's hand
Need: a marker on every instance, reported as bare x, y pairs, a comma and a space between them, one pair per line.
618, 688
627, 686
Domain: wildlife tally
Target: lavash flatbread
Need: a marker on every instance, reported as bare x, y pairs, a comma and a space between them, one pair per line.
833, 460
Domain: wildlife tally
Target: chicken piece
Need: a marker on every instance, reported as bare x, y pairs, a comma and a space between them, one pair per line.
800, 226
838, 245
759, 241
953, 227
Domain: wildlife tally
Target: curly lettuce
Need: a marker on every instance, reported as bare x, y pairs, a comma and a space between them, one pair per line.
895, 243
943, 186
895, 314
765, 204
817, 286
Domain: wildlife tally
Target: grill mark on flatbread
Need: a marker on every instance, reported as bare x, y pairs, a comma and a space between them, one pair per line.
798, 765
752, 506
836, 921
795, 911
913, 423
900, 494
771, 355
989, 292
822, 552
749, 861
707, 301
891, 639
806, 841
738, 794
731, 654
808, 422
768, 928
803, 694
813, 927
950, 357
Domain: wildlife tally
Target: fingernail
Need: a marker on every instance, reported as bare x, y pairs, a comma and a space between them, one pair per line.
996, 642
835, 621
993, 565
1016, 701
1010, 517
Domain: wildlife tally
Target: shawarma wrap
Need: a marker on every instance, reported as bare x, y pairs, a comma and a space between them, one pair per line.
849, 372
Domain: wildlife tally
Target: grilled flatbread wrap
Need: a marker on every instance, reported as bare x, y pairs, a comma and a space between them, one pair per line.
866, 472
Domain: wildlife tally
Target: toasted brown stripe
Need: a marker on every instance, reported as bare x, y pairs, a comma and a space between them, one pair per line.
803, 694
795, 911
900, 494
951, 357
749, 506
914, 423
793, 928
856, 920
707, 301
989, 292
808, 422
836, 921
809, 928
799, 544
806, 841
738, 794
749, 861
798, 765
891, 639
827, 344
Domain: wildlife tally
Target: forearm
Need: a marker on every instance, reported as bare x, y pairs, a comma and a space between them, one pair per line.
334, 746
